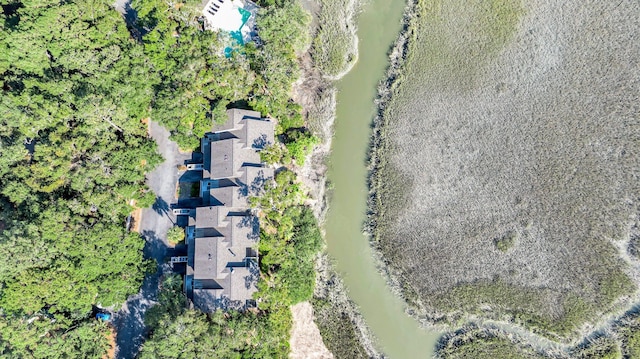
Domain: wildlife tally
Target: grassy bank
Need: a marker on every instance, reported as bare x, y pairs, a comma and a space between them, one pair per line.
343, 329
482, 345
335, 47
473, 342
506, 128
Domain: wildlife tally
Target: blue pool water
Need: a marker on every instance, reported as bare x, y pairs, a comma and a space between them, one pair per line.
237, 35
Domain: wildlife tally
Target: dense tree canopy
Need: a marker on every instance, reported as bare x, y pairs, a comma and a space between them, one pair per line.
183, 333
289, 242
198, 81
75, 87
73, 153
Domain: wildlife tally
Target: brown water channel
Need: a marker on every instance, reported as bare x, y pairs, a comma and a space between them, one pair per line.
399, 336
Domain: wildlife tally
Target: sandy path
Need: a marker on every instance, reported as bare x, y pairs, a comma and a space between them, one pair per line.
306, 342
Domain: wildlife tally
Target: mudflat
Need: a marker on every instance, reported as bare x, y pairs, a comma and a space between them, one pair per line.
510, 181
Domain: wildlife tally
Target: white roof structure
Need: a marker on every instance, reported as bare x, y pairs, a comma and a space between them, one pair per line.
224, 15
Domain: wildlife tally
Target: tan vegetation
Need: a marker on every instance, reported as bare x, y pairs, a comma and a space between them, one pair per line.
111, 337
306, 342
335, 45
341, 325
136, 217
510, 160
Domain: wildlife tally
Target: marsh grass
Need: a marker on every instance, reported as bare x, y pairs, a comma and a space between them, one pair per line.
343, 329
513, 120
338, 332
474, 342
506, 241
630, 338
459, 37
490, 348
335, 46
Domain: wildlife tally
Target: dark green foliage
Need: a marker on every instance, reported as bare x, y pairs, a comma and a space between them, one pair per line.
74, 86
198, 82
171, 302
183, 333
297, 271
288, 260
275, 154
289, 241
196, 77
45, 337
284, 32
300, 143
175, 235
73, 154
193, 334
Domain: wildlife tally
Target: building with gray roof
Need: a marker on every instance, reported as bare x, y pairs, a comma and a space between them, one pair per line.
222, 234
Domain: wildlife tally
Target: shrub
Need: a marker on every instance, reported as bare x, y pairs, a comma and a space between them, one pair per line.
175, 235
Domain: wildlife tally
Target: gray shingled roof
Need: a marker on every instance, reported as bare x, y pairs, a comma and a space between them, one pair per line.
205, 262
230, 196
222, 258
253, 179
210, 217
234, 118
258, 133
225, 161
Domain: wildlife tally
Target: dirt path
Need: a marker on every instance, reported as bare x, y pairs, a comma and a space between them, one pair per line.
154, 223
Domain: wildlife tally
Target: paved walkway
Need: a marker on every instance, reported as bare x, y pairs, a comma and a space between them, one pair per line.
155, 221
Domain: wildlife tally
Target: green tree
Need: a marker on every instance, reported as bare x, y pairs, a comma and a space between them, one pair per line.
175, 235
74, 87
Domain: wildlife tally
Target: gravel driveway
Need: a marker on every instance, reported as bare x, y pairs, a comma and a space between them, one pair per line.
154, 224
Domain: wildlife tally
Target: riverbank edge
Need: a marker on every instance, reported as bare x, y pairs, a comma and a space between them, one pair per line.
459, 329
377, 147
316, 93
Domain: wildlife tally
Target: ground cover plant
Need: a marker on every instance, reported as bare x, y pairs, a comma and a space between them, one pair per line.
510, 161
488, 349
474, 342
341, 326
338, 331
178, 332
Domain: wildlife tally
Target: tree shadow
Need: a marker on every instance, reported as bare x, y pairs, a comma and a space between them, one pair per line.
260, 142
161, 207
11, 14
253, 223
